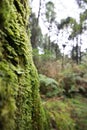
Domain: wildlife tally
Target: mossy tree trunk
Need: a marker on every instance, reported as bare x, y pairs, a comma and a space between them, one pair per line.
20, 107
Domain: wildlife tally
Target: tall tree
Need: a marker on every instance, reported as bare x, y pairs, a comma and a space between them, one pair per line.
36, 34
39, 11
50, 17
50, 12
77, 30
20, 107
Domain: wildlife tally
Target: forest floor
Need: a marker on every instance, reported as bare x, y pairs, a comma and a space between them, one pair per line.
67, 113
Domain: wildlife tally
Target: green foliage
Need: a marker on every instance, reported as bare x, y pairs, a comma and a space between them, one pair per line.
67, 114
73, 80
83, 16
73, 84
50, 13
79, 112
59, 115
36, 34
66, 22
47, 55
48, 86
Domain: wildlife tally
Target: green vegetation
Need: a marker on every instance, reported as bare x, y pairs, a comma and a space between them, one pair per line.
20, 105
65, 98
67, 114
49, 87
61, 84
63, 79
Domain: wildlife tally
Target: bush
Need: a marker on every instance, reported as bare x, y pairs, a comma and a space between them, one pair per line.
68, 84
48, 86
73, 84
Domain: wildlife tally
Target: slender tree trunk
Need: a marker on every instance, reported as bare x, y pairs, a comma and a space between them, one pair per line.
39, 12
77, 48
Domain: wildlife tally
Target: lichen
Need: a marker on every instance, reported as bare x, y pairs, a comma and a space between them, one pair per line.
20, 105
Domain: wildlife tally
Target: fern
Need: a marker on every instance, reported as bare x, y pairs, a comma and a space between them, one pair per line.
49, 86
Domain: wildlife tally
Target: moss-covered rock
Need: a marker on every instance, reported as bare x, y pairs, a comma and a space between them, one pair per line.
20, 106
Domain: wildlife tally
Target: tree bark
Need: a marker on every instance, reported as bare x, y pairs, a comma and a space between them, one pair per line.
20, 106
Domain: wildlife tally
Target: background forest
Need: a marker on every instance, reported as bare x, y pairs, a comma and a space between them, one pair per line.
62, 75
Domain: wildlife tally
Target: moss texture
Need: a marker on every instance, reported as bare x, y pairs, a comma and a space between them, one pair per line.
20, 106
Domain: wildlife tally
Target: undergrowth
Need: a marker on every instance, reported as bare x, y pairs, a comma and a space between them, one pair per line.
67, 114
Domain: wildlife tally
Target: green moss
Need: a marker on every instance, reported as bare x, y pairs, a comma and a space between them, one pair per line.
20, 105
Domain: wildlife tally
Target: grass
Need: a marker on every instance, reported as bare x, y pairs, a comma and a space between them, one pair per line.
67, 113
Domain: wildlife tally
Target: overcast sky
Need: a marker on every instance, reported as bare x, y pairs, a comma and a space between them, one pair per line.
66, 8
63, 8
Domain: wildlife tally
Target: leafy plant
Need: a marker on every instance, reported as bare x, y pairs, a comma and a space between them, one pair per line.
68, 84
79, 112
48, 86
59, 115
67, 113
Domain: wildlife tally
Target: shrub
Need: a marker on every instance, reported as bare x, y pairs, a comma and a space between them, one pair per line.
68, 84
73, 84
49, 86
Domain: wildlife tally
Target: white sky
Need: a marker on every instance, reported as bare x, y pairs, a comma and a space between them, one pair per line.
63, 8
66, 8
